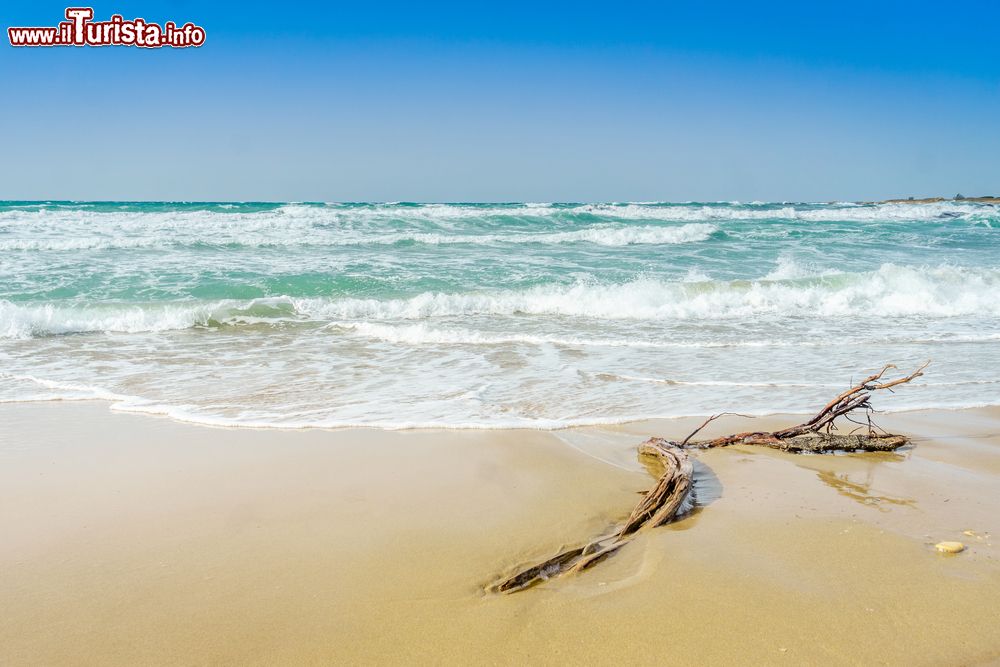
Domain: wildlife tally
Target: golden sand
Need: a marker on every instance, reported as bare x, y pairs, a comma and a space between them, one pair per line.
134, 540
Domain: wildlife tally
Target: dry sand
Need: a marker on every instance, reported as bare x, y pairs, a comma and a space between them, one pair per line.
127, 539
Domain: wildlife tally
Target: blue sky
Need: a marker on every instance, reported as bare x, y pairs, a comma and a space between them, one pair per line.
515, 101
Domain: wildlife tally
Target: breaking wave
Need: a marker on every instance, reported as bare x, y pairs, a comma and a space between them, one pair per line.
890, 291
606, 235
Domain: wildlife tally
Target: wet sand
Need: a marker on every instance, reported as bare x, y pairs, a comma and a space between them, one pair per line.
135, 540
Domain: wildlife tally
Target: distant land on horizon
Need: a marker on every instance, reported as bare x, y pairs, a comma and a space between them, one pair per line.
985, 199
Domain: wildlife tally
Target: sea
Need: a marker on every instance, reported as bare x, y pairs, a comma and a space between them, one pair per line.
493, 315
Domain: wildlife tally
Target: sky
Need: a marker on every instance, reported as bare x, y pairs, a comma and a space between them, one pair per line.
512, 101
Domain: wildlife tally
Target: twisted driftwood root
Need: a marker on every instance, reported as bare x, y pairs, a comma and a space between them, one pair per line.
659, 506
670, 497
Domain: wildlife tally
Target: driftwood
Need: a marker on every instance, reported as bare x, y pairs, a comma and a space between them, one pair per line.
672, 495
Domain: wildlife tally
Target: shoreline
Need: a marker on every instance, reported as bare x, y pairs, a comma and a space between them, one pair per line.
109, 403
134, 540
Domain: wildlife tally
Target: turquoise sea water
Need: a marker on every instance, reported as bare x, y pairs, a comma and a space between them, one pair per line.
492, 315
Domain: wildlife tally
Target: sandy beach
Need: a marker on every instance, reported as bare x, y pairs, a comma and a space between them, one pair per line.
517, 334
136, 540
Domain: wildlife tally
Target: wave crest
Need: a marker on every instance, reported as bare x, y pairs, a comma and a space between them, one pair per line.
28, 320
255, 237
891, 291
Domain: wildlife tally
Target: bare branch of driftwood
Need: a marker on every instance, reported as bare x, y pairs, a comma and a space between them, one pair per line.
658, 506
669, 498
707, 422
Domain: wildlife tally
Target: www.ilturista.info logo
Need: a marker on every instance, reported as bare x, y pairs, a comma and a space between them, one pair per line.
80, 30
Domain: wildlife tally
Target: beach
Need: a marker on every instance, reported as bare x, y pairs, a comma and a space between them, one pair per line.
314, 433
131, 539
436, 334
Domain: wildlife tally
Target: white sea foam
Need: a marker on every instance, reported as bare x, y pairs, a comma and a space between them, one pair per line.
253, 237
79, 243
66, 229
891, 291
190, 413
713, 383
633, 313
423, 334
666, 212
619, 236
300, 215
788, 268
606, 235
60, 391
845, 213
26, 320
